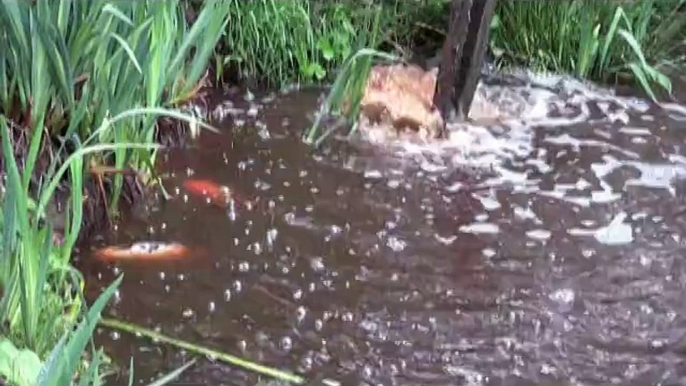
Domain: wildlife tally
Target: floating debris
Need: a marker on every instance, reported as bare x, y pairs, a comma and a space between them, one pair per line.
616, 233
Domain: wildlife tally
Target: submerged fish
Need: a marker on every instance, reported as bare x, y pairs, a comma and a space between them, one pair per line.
219, 195
144, 251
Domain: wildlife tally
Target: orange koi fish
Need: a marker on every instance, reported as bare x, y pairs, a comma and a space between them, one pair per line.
144, 251
219, 195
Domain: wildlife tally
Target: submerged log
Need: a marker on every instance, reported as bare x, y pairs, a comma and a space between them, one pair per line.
462, 57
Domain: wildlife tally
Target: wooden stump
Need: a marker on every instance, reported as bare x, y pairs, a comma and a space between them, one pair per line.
463, 54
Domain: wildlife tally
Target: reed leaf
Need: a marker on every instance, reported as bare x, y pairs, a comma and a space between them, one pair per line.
242, 363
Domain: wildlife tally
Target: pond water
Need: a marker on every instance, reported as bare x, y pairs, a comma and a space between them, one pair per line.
547, 250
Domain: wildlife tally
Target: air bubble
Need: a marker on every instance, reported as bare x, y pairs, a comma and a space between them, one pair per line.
300, 314
271, 236
298, 294
286, 343
317, 264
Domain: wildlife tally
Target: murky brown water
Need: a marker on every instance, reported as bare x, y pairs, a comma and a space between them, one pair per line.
491, 265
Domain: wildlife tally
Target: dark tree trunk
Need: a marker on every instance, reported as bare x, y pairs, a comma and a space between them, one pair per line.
463, 54
451, 55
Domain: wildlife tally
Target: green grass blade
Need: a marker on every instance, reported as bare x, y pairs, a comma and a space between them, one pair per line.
639, 73
92, 374
242, 363
114, 11
71, 351
171, 376
609, 38
634, 44
53, 365
128, 50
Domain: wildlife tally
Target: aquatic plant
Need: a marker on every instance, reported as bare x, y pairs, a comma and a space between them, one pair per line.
67, 66
599, 40
65, 69
40, 291
22, 367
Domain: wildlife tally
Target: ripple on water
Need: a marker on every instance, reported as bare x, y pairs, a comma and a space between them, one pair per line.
538, 249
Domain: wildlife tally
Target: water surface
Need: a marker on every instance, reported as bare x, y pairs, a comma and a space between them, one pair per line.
547, 249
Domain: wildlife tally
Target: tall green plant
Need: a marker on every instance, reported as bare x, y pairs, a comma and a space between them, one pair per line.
40, 290
343, 100
279, 42
24, 368
593, 39
28, 258
67, 66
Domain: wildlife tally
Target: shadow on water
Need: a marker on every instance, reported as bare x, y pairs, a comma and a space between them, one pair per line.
537, 252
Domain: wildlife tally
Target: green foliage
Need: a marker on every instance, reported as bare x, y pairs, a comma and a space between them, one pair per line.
343, 100
24, 368
66, 66
41, 292
279, 42
594, 39
29, 259
19, 367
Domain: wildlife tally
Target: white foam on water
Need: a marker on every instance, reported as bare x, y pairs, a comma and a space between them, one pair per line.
541, 107
566, 139
543, 102
616, 233
636, 131
480, 228
677, 111
652, 175
538, 234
